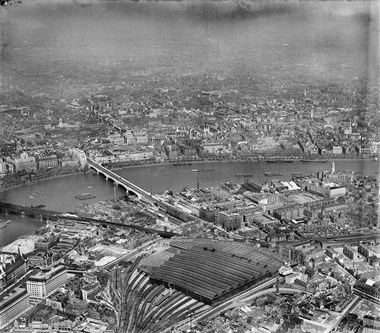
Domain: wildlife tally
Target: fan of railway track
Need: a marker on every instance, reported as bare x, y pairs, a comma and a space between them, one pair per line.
142, 306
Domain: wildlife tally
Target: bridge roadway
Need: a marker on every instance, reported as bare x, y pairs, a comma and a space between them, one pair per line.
141, 193
119, 181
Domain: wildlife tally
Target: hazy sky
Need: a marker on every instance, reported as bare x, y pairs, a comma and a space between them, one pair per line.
316, 38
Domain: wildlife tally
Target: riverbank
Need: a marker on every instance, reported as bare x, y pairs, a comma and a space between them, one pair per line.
19, 230
114, 166
4, 189
59, 194
179, 167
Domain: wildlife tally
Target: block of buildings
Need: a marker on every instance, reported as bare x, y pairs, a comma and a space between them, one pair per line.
46, 282
12, 305
12, 267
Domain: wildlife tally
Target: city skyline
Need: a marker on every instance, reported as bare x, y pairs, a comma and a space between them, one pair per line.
189, 166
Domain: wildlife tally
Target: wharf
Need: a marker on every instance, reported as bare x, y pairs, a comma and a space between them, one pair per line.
29, 212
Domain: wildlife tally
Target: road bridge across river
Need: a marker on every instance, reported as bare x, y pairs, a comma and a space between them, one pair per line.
130, 187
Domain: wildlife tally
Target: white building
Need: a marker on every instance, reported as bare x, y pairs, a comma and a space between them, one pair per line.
80, 230
213, 148
375, 148
78, 155
45, 282
116, 138
129, 138
328, 190
3, 169
141, 138
12, 305
24, 162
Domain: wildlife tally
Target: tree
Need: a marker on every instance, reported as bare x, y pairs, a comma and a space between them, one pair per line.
86, 167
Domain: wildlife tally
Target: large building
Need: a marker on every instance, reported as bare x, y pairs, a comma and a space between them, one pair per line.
351, 252
50, 161
253, 186
368, 288
44, 244
78, 155
13, 304
229, 220
12, 267
141, 138
262, 199
3, 168
368, 250
24, 162
327, 189
214, 271
371, 324
213, 148
45, 282
116, 138
290, 211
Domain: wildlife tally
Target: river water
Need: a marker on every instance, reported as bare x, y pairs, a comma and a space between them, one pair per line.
86, 44
59, 193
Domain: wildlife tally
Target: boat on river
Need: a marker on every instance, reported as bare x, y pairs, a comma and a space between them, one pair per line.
4, 224
280, 161
85, 196
272, 173
316, 160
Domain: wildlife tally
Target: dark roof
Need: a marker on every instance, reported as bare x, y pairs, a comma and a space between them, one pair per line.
211, 270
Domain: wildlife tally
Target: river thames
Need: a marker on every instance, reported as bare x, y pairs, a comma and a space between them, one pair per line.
59, 194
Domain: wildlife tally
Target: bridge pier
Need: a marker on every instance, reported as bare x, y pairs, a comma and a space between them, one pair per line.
129, 187
115, 191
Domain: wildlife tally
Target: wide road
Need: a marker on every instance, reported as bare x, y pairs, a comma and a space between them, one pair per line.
348, 308
331, 326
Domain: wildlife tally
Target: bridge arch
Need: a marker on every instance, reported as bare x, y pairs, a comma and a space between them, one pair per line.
99, 172
128, 191
129, 187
